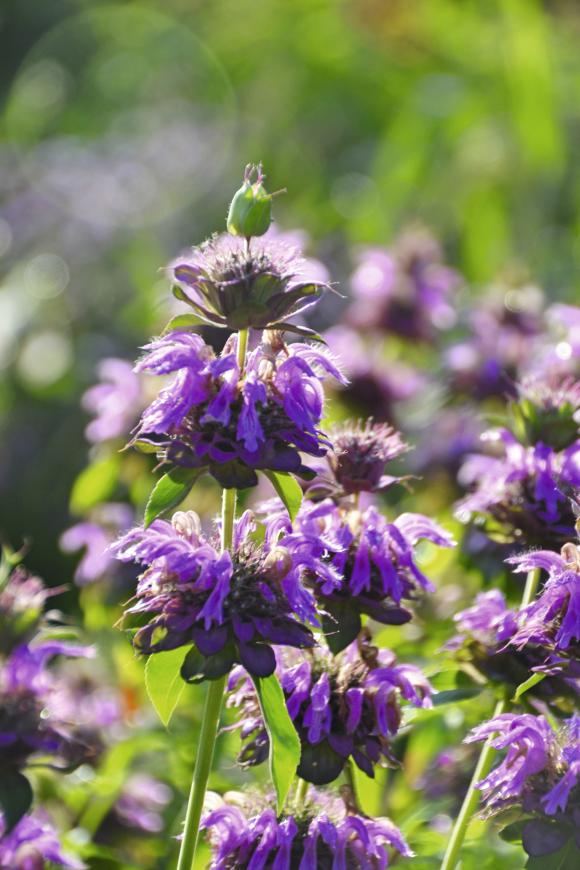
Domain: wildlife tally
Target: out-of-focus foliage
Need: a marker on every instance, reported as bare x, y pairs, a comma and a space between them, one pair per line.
124, 129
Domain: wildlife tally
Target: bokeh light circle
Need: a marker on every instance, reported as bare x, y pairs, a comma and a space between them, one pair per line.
159, 130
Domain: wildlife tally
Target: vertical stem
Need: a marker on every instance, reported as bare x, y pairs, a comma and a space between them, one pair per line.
215, 691
484, 763
301, 791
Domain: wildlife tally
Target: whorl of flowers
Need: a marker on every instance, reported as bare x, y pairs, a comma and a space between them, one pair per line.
22, 600
359, 454
33, 844
343, 707
211, 416
232, 607
324, 833
375, 559
405, 291
230, 284
94, 537
540, 773
526, 493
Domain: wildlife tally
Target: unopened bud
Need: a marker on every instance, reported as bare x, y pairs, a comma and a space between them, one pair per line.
187, 524
250, 212
278, 562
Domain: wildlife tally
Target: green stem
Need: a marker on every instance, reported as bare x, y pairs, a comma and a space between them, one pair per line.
301, 792
215, 691
484, 763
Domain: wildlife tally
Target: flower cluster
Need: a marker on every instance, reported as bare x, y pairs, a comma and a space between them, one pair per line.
359, 455
375, 560
231, 606
115, 402
322, 834
343, 707
94, 537
230, 284
212, 416
540, 773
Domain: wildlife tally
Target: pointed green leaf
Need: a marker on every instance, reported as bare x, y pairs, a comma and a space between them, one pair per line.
95, 484
169, 492
183, 321
284, 741
15, 797
528, 684
163, 681
288, 489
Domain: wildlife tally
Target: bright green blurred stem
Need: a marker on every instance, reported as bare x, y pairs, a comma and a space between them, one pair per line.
485, 761
301, 792
215, 692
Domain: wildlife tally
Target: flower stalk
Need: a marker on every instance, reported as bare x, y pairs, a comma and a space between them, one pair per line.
215, 692
485, 760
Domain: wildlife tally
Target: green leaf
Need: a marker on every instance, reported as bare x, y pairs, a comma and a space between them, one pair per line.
169, 492
454, 695
566, 858
512, 833
183, 321
163, 681
528, 684
284, 741
288, 489
15, 797
95, 484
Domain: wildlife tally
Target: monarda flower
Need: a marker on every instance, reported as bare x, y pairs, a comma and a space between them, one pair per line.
231, 607
405, 291
343, 707
22, 600
539, 775
33, 844
212, 417
94, 537
547, 410
359, 455
525, 494
375, 560
507, 645
231, 284
324, 833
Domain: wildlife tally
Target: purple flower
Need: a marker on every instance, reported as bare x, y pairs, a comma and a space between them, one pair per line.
405, 291
539, 773
374, 559
343, 707
554, 617
116, 402
359, 455
22, 599
210, 417
141, 803
33, 844
231, 285
232, 607
95, 538
321, 835
523, 494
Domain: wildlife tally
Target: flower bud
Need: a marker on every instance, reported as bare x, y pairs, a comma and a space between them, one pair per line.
250, 210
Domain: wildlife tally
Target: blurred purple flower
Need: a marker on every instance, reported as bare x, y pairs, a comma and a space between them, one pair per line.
343, 707
95, 538
359, 455
405, 291
141, 803
231, 606
209, 417
321, 835
22, 600
33, 844
116, 402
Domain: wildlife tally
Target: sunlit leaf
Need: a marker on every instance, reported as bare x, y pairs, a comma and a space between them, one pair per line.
288, 489
183, 322
95, 484
284, 741
169, 491
163, 681
528, 684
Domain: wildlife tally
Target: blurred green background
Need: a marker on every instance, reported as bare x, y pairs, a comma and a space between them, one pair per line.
125, 128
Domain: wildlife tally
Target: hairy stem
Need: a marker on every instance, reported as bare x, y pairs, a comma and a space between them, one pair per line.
485, 761
215, 691
301, 791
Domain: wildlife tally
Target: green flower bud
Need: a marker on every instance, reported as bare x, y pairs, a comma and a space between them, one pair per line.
250, 211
